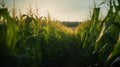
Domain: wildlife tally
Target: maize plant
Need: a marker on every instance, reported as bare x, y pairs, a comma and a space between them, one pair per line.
32, 41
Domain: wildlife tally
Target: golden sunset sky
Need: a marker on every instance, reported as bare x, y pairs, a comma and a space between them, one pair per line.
64, 10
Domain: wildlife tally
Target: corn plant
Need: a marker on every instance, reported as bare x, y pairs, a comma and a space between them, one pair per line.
34, 41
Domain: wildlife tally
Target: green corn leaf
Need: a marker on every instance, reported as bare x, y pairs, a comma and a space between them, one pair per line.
95, 17
101, 33
118, 38
12, 32
115, 52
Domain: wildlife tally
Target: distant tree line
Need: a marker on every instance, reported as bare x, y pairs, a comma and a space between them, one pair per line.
70, 24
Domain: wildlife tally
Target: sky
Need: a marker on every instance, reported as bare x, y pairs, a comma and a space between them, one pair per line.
63, 10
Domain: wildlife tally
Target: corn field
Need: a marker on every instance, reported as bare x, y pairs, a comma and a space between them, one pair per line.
31, 41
